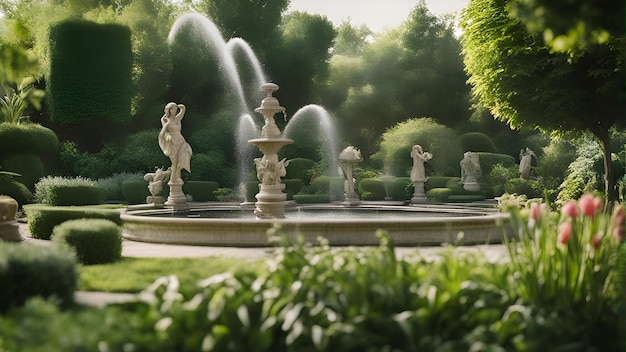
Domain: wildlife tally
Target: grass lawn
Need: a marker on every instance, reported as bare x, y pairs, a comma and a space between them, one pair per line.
134, 274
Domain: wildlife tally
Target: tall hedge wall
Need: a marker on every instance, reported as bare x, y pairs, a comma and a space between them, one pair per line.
90, 72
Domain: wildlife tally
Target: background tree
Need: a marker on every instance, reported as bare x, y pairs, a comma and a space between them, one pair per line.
516, 75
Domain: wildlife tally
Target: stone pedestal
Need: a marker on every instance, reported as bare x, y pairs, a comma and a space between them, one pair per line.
9, 228
471, 186
177, 199
157, 201
271, 201
351, 199
419, 196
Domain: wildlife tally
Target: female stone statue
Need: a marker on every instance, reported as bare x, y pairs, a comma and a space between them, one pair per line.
525, 162
419, 157
172, 141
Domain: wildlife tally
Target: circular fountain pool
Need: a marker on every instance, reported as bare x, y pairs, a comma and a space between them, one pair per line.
232, 226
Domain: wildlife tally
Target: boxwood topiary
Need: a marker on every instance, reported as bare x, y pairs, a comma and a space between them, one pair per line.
439, 195
329, 185
29, 166
28, 270
300, 168
15, 190
28, 138
488, 160
311, 198
201, 191
477, 142
95, 241
372, 189
43, 218
437, 182
402, 188
292, 187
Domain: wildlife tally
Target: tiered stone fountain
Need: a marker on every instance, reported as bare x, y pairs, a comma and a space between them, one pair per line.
270, 200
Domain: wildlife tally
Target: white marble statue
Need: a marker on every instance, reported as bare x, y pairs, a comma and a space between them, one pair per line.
348, 159
419, 157
525, 160
156, 180
172, 141
269, 171
470, 171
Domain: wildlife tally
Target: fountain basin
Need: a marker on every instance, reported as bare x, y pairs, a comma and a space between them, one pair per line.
231, 226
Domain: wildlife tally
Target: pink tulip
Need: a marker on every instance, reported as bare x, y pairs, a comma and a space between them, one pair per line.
570, 209
595, 241
565, 232
589, 205
535, 211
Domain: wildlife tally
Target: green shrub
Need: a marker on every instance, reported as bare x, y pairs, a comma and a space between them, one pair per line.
212, 166
28, 138
437, 182
489, 160
95, 241
29, 166
201, 191
45, 187
112, 186
30, 270
332, 185
292, 187
311, 198
477, 142
372, 189
499, 175
43, 218
441, 141
76, 195
15, 190
136, 191
439, 195
300, 168
90, 72
531, 188
402, 188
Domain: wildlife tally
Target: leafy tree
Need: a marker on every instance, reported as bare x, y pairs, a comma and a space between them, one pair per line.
351, 40
516, 75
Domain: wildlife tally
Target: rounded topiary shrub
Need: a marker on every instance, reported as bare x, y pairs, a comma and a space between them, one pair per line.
402, 188
29, 270
477, 142
437, 182
135, 191
439, 195
300, 168
95, 241
372, 189
15, 190
292, 187
29, 166
28, 138
329, 185
201, 191
489, 160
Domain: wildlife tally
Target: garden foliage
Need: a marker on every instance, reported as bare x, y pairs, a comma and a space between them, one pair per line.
68, 191
30, 270
95, 241
43, 218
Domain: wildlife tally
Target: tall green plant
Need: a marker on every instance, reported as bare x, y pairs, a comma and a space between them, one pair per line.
16, 100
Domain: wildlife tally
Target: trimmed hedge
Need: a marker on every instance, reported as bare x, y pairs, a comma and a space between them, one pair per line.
64, 195
439, 195
16, 190
29, 270
329, 185
372, 189
136, 191
437, 182
201, 191
95, 241
43, 218
402, 188
28, 138
90, 72
462, 198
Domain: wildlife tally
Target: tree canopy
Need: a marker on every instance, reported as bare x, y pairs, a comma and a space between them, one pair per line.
516, 75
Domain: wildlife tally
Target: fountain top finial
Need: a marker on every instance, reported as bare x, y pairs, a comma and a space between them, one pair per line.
269, 88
